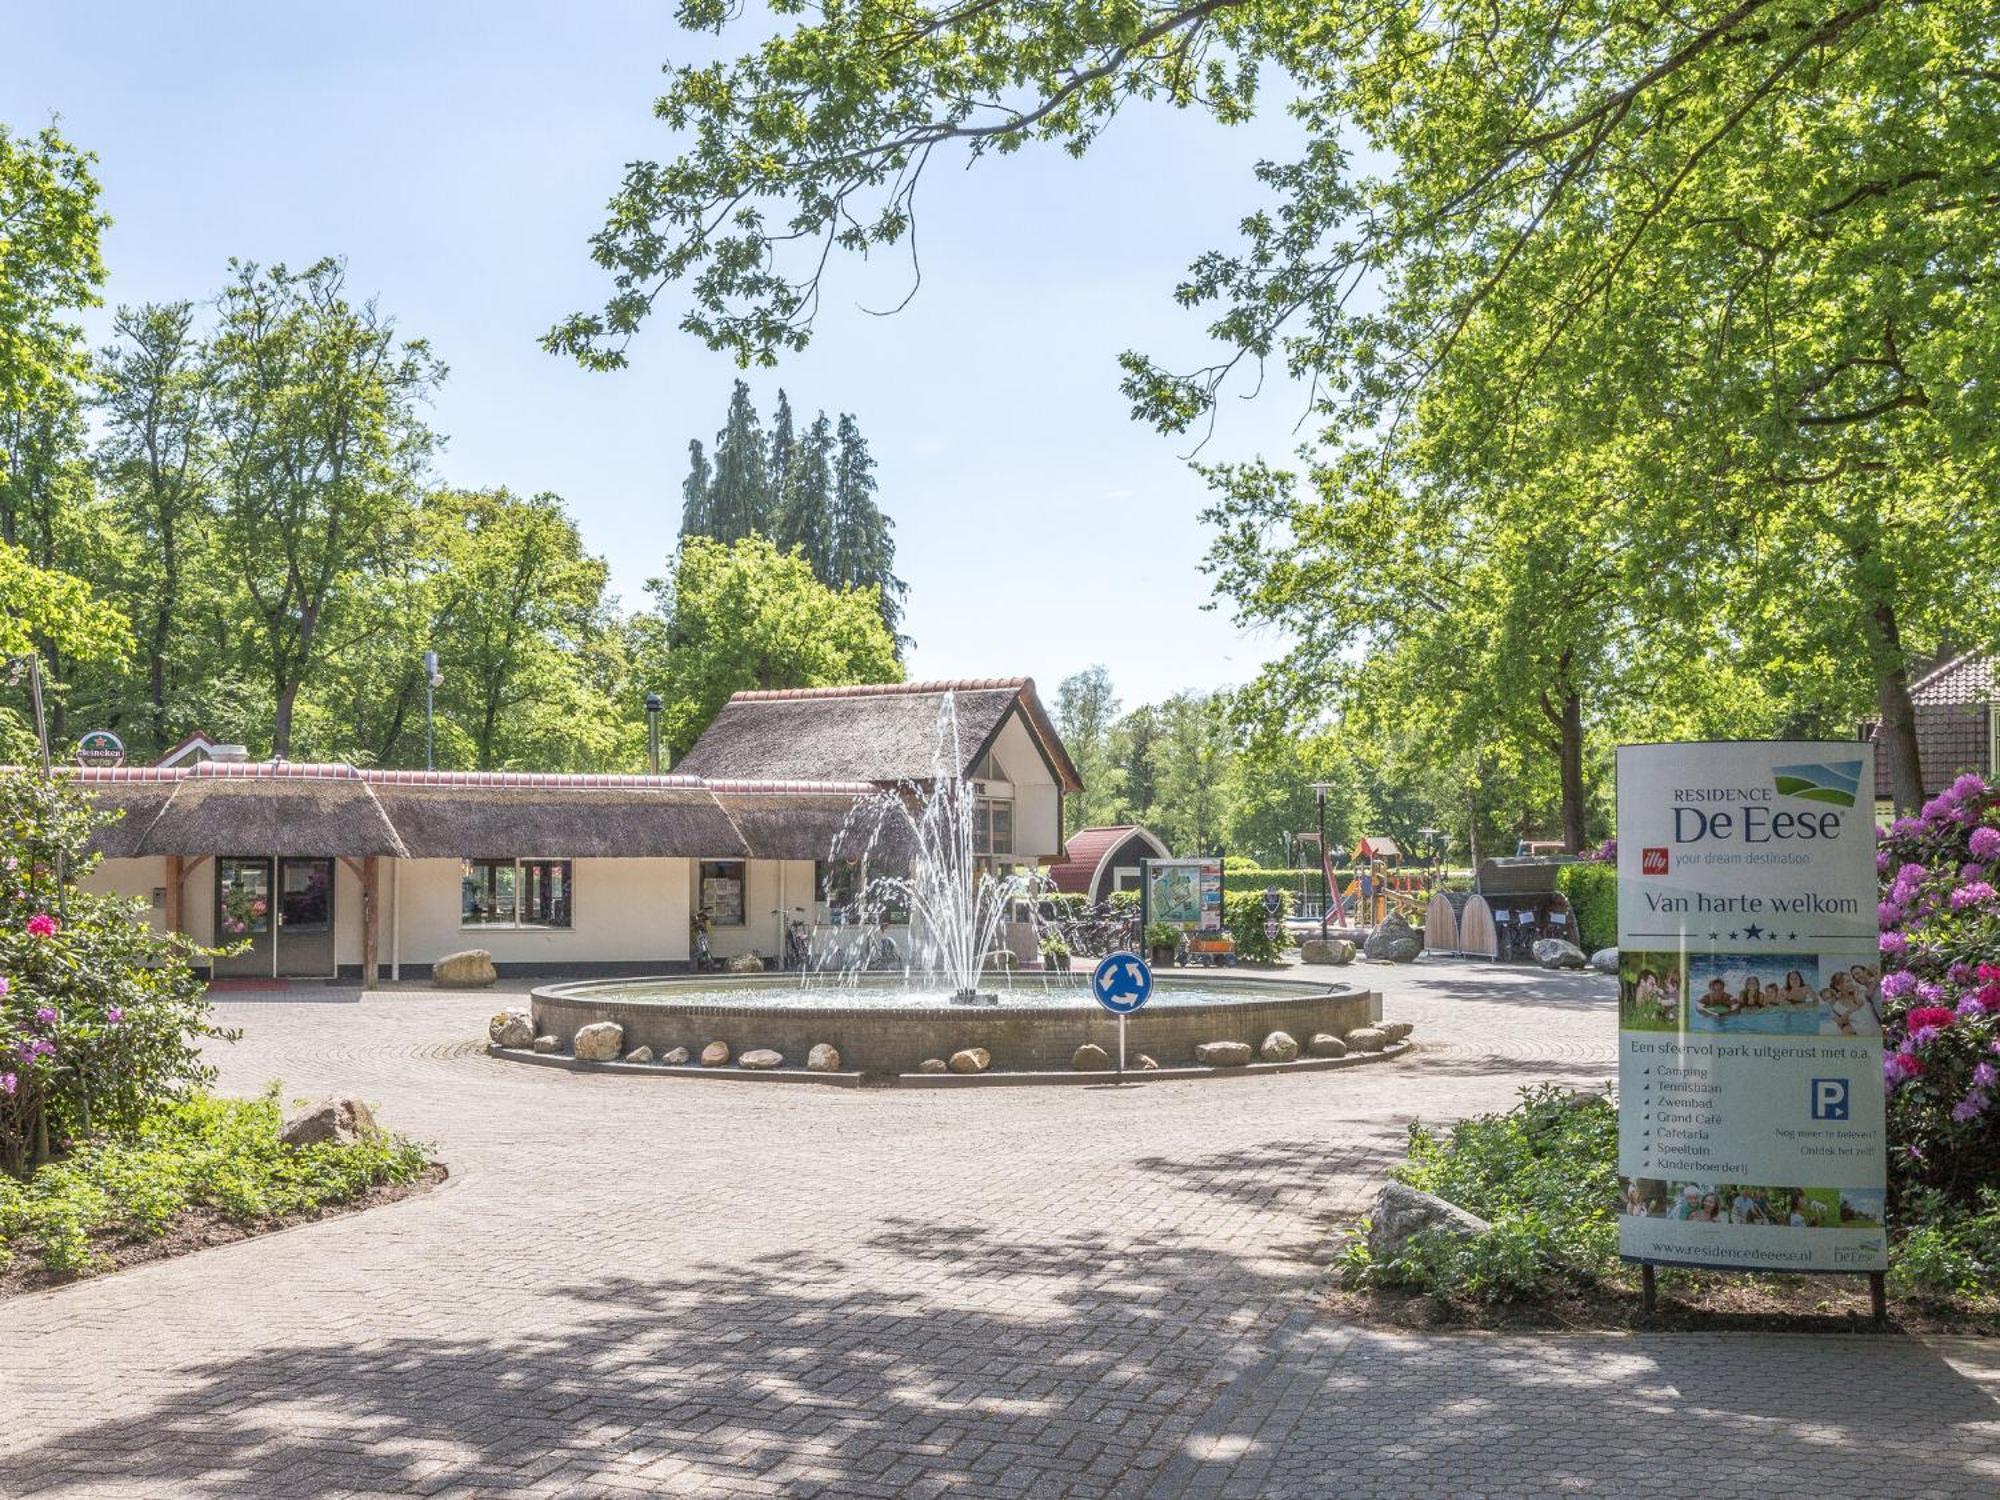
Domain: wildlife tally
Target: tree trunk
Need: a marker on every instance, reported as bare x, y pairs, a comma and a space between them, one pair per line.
1572, 772
1896, 742
281, 723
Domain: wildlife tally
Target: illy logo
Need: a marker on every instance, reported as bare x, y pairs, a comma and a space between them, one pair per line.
1652, 861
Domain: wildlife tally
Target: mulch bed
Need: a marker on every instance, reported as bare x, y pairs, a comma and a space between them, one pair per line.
1715, 1304
199, 1229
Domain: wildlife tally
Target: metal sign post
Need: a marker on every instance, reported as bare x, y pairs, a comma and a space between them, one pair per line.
1121, 983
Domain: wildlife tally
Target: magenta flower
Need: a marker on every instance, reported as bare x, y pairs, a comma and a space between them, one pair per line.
1898, 984
45, 1016
1971, 1107
1985, 843
1894, 943
1986, 1076
1978, 893
1971, 1008
3, 986
114, 1014
41, 925
1967, 786
1898, 1066
8, 1083
1889, 914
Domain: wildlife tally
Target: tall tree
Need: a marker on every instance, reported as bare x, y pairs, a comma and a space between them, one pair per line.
784, 454
1191, 759
805, 517
49, 267
156, 458
740, 497
697, 493
733, 617
1086, 710
318, 451
864, 552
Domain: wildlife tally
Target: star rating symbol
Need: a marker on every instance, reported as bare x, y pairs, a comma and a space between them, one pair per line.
1752, 932
1790, 937
1732, 937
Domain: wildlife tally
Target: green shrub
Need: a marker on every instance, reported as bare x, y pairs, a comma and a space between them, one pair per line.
202, 1152
1592, 889
1951, 1251
1245, 916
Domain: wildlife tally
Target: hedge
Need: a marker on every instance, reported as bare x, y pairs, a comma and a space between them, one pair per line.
1592, 889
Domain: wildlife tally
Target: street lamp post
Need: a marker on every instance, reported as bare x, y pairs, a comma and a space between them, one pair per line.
653, 733
1320, 789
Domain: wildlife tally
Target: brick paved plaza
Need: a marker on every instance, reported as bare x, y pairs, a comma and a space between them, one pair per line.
638, 1286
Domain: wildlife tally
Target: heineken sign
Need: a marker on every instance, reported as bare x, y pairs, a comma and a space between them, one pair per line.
100, 747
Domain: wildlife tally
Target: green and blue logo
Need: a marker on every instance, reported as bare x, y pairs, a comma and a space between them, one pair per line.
1837, 782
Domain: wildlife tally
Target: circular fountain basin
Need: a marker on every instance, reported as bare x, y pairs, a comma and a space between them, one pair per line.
885, 1026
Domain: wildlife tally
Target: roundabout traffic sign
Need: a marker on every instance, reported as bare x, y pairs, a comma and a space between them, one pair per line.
1122, 983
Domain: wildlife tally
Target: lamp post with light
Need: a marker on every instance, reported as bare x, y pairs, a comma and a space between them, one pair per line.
433, 680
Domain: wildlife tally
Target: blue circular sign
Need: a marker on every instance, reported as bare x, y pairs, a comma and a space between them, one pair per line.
1122, 983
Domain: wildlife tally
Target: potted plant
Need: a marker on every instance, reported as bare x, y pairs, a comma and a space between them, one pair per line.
1055, 952
1163, 943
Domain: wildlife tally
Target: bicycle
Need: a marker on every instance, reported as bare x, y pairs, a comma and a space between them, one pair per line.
798, 939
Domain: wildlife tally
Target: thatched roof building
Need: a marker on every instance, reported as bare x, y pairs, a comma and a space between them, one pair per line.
879, 732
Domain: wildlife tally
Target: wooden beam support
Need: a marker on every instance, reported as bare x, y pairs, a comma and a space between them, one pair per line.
175, 875
371, 917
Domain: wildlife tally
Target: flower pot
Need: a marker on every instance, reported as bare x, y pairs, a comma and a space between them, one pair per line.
1163, 957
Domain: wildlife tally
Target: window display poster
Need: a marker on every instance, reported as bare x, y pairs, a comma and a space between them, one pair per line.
1750, 1122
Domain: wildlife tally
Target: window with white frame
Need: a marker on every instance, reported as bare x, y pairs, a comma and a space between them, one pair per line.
515, 893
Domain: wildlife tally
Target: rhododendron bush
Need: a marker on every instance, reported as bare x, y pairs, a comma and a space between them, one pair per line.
1940, 920
101, 1017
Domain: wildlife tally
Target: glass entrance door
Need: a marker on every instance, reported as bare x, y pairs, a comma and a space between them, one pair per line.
305, 917
243, 914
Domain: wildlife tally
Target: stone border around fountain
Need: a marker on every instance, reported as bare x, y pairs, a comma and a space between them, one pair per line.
1102, 1078
1031, 1039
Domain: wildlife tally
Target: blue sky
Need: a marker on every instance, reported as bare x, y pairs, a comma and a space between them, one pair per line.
458, 156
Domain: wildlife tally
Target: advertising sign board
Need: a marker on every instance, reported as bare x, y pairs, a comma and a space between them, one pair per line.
1185, 892
1750, 1128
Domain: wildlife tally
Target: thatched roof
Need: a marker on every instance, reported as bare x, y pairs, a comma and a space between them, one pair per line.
140, 802
616, 817
795, 824
880, 733
315, 810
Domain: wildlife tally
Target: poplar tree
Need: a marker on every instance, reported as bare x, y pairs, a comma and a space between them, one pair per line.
697, 515
864, 553
804, 519
740, 498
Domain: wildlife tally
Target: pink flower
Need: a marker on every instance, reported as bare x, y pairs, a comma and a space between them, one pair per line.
1898, 984
1894, 943
45, 1016
1889, 914
8, 1083
1985, 843
41, 925
1928, 1015
1971, 1008
1967, 786
114, 1014
1899, 1066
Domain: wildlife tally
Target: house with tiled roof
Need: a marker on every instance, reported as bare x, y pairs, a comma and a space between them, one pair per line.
1958, 723
308, 870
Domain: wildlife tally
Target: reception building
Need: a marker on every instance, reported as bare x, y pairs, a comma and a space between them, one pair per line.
338, 870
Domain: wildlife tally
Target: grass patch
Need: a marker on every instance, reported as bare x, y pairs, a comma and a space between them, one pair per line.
199, 1163
1544, 1176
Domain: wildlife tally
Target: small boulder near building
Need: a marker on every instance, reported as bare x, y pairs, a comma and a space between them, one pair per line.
1401, 1213
601, 1041
471, 970
511, 1028
1395, 941
1557, 953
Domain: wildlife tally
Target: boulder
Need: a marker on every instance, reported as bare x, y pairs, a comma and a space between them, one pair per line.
639, 1055
715, 1054
824, 1058
1367, 1039
548, 1044
342, 1121
932, 1065
1325, 951
601, 1041
674, 1057
1347, 951
745, 963
1401, 1212
1147, 1064
471, 970
511, 1028
1279, 1047
1605, 960
1223, 1054
1395, 1031
1090, 1058
761, 1059
1395, 941
1326, 1044
971, 1060
1558, 953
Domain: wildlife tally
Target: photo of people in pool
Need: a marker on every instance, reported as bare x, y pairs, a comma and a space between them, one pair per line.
1650, 988
1782, 992
1750, 1203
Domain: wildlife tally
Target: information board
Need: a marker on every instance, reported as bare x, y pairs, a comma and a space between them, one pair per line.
1750, 1131
1185, 892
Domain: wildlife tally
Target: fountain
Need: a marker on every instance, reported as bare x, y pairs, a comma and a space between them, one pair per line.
891, 1025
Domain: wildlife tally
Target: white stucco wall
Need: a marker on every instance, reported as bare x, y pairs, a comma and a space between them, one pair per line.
1037, 799
134, 878
622, 911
